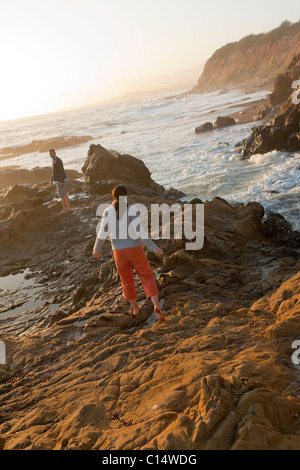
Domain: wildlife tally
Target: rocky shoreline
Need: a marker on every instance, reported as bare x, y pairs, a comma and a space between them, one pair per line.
282, 110
279, 113
43, 145
82, 373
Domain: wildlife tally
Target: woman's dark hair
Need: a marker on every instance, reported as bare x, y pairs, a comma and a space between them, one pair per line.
118, 191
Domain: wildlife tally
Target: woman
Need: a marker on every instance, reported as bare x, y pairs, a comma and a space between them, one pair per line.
128, 251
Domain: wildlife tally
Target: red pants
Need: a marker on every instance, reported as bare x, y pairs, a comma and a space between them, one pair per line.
125, 259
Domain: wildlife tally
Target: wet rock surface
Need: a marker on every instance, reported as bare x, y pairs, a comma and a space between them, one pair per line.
224, 121
82, 373
221, 121
282, 133
206, 127
283, 83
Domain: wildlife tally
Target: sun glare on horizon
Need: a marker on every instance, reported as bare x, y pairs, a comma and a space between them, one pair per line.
63, 53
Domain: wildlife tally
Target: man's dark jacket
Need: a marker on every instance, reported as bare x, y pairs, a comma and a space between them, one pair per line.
58, 172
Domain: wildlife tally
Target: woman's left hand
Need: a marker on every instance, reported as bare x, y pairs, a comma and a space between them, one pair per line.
158, 252
95, 254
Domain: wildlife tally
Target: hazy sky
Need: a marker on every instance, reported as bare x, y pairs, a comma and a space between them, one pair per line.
50, 48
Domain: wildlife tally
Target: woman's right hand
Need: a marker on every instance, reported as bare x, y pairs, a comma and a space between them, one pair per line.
158, 252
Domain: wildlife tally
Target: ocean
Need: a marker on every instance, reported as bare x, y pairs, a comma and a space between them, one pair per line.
160, 131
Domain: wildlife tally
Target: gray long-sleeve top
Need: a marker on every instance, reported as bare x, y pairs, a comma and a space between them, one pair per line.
127, 232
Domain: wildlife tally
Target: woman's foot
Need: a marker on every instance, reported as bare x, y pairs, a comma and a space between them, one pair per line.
136, 310
160, 315
135, 306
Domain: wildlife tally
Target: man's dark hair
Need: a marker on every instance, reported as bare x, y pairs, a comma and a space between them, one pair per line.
52, 150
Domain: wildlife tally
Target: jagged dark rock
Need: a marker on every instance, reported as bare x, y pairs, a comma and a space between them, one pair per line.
280, 230
282, 133
283, 83
102, 166
262, 113
105, 169
294, 142
224, 121
206, 127
221, 121
264, 139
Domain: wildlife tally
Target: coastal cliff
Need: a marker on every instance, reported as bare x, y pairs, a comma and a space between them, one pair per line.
88, 375
253, 59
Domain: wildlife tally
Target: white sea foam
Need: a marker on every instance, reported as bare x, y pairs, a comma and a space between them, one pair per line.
161, 132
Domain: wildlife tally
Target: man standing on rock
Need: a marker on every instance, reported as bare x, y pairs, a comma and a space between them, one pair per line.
59, 178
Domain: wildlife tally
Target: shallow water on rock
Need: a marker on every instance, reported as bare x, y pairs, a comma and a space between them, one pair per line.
21, 295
